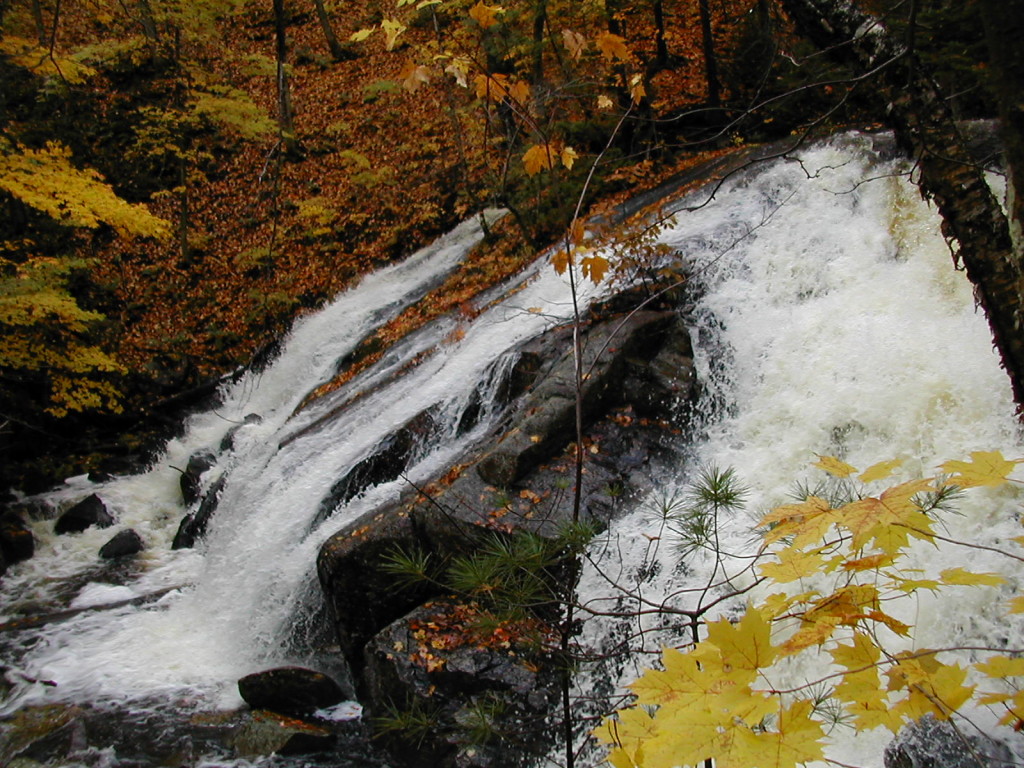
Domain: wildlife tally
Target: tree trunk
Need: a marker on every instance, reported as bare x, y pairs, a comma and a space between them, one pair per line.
284, 102
1004, 30
710, 62
338, 52
612, 12
924, 125
540, 20
661, 46
37, 19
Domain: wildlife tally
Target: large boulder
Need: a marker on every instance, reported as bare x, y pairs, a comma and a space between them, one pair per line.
123, 544
488, 693
16, 540
191, 479
89, 512
500, 489
292, 691
193, 526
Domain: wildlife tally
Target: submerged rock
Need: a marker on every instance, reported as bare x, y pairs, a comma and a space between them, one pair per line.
268, 733
39, 733
89, 512
193, 526
931, 743
290, 690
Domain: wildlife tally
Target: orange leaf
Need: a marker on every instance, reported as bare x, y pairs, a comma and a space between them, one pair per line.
413, 76
485, 15
612, 46
538, 158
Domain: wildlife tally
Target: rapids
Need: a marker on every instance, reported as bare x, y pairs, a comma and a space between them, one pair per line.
827, 318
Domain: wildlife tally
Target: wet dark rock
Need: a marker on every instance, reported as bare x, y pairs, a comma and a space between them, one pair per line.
91, 511
654, 388
191, 478
16, 540
523, 460
290, 691
470, 689
123, 544
931, 743
193, 526
268, 733
227, 442
40, 733
385, 463
546, 423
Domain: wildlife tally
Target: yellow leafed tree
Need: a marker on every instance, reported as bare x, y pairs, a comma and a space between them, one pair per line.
44, 333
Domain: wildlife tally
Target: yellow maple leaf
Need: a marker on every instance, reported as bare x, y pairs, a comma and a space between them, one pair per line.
519, 91
459, 69
574, 42
834, 466
964, 577
485, 15
637, 90
568, 157
1001, 666
362, 34
986, 468
862, 653
869, 563
603, 102
539, 157
561, 260
612, 46
594, 267
746, 645
879, 471
414, 75
392, 29
798, 740
793, 564
807, 521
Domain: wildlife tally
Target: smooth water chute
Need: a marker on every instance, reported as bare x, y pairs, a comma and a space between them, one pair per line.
253, 579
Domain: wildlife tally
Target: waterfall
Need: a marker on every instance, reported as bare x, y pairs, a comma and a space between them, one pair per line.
826, 318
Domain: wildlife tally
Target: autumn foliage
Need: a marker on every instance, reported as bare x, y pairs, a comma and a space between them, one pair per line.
833, 578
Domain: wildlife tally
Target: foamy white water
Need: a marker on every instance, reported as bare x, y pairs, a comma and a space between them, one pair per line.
828, 319
249, 593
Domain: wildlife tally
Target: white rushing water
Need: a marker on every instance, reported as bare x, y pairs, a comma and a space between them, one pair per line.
827, 318
245, 590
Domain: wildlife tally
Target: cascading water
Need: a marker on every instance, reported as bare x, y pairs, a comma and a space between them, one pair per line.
245, 592
826, 318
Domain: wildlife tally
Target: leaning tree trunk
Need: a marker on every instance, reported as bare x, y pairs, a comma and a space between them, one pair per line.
924, 125
1004, 30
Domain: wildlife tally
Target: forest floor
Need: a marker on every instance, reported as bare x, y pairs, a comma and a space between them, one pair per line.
382, 163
